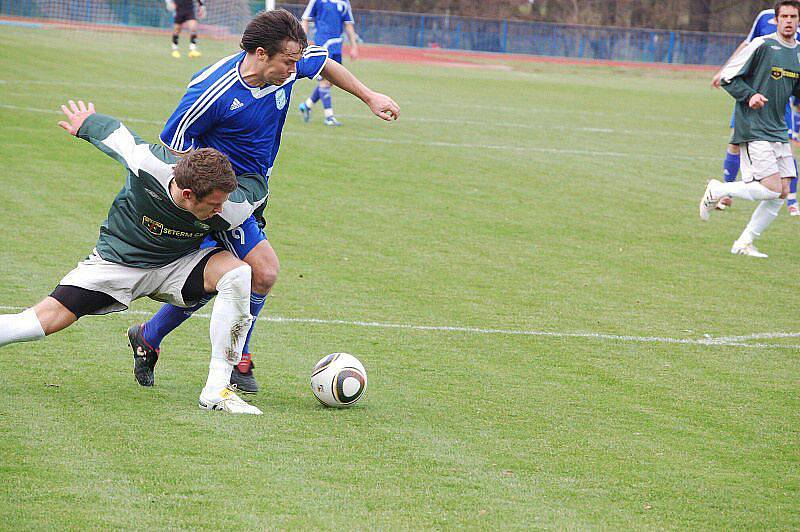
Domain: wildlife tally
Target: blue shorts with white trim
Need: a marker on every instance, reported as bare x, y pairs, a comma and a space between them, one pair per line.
240, 241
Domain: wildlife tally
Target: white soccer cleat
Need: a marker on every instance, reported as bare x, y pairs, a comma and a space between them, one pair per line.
227, 401
794, 210
709, 201
747, 249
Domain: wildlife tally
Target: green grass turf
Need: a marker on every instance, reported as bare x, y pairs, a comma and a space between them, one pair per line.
537, 198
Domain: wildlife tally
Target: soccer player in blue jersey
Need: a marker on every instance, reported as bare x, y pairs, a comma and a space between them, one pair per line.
764, 24
330, 17
238, 105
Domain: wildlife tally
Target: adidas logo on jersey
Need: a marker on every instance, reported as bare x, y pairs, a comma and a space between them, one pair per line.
236, 104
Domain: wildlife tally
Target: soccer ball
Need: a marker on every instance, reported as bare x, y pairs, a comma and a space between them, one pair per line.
338, 380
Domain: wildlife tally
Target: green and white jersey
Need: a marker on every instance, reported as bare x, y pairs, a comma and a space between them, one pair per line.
145, 228
766, 66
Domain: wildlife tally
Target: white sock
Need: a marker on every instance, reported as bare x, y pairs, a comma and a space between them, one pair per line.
329, 112
22, 327
753, 191
309, 103
230, 322
764, 214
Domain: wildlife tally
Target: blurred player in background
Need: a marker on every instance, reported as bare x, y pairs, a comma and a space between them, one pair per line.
764, 24
761, 78
185, 17
330, 17
238, 105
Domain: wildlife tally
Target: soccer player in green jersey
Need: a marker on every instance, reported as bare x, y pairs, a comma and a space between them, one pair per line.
761, 78
149, 246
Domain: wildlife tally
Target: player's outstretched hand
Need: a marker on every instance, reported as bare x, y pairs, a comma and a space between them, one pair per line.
757, 101
716, 80
384, 107
76, 114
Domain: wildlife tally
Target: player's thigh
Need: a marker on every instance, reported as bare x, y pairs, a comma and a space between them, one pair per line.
191, 25
264, 262
53, 315
218, 265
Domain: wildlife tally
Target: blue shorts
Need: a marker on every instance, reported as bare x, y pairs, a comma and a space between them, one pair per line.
240, 241
336, 57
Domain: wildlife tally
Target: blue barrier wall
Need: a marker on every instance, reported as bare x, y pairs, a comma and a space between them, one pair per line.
420, 30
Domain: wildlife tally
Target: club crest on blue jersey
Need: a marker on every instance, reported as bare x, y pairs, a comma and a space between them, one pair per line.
280, 99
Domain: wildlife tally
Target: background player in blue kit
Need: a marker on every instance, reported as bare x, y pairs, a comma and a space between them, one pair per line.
764, 24
238, 105
330, 18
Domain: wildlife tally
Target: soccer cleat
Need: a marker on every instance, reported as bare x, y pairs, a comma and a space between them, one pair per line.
242, 375
724, 203
176, 54
747, 249
305, 111
709, 201
793, 210
331, 121
194, 53
144, 356
227, 401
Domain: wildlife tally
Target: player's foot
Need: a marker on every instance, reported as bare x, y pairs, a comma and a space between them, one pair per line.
194, 53
724, 203
794, 210
331, 121
305, 111
242, 375
747, 249
176, 54
227, 401
709, 201
144, 356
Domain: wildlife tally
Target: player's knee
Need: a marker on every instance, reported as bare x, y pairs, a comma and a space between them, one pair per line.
236, 282
265, 275
733, 149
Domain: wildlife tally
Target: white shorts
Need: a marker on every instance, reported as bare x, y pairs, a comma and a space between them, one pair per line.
126, 284
761, 159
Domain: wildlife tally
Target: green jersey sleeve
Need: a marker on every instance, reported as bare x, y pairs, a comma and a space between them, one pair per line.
739, 68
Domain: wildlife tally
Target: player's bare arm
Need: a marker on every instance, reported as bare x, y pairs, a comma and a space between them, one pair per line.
380, 104
76, 114
350, 30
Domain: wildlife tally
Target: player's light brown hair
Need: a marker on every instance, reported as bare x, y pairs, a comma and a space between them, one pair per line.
205, 170
791, 3
270, 30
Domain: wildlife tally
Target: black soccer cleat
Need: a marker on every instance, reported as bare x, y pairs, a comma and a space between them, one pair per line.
144, 356
245, 382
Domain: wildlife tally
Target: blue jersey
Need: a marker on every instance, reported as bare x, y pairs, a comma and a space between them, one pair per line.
329, 17
220, 110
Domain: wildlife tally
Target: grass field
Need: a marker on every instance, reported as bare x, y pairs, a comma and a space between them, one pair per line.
553, 337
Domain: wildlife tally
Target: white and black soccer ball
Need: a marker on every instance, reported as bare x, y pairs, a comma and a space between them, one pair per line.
339, 380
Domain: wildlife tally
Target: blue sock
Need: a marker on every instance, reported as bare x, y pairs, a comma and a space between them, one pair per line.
791, 199
730, 167
256, 304
166, 320
325, 96
315, 94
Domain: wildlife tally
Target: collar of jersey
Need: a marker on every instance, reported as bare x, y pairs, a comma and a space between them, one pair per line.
260, 92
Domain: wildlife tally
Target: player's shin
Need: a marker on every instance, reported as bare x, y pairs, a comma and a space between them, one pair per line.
762, 217
167, 319
22, 327
730, 167
230, 321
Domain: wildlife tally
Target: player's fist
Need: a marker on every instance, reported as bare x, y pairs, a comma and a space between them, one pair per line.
76, 114
716, 80
383, 106
170, 5
757, 101
201, 13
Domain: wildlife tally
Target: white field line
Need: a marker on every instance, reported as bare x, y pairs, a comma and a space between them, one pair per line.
708, 340
441, 144
580, 114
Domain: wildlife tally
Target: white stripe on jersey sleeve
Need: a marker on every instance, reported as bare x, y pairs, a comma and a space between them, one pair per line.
752, 34
138, 156
210, 70
200, 106
236, 213
307, 12
736, 63
314, 50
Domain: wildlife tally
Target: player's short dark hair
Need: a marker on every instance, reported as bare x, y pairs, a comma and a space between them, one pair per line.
270, 30
791, 3
205, 170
